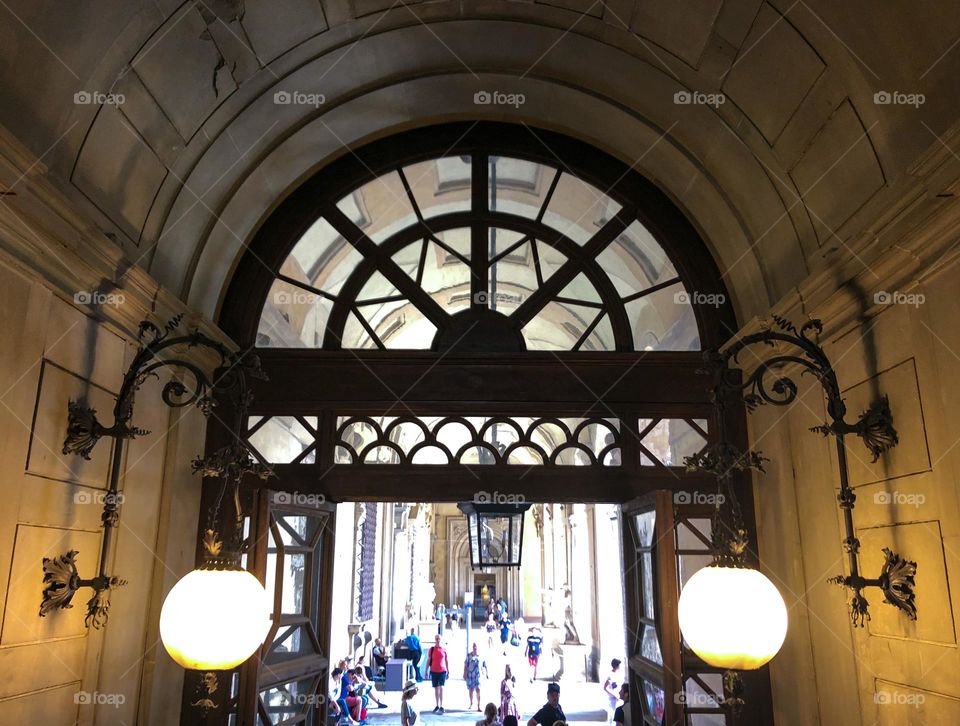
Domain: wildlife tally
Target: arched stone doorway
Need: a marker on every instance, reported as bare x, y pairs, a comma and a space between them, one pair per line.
479, 308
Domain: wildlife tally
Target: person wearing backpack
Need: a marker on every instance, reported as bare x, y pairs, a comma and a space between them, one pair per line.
439, 667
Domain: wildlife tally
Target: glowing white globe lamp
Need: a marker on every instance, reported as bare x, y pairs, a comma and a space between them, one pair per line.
732, 617
214, 619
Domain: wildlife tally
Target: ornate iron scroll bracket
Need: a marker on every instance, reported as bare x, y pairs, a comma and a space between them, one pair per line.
159, 349
768, 384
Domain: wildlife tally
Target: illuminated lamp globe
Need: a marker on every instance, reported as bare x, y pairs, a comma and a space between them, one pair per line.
215, 619
732, 617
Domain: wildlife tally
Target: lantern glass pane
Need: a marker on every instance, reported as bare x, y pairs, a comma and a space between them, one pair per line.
516, 524
474, 554
494, 539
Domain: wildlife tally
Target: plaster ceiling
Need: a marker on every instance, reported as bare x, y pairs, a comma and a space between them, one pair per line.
776, 146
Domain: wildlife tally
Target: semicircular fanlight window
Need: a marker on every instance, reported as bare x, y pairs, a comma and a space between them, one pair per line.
401, 258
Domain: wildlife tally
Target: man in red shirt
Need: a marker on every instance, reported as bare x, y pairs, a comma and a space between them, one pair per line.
439, 666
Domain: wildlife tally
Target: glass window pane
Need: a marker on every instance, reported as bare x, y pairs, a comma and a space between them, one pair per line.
664, 320
322, 258
559, 326
635, 261
695, 696
440, 186
380, 207
513, 277
706, 719
692, 533
650, 645
648, 592
671, 440
291, 642
644, 523
578, 209
580, 288
293, 317
654, 701
517, 186
687, 565
282, 439
289, 699
446, 279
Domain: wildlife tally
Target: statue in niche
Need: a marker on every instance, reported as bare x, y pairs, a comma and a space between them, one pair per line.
571, 636
426, 600
549, 603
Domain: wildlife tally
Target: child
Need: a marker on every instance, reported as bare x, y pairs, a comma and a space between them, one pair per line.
408, 711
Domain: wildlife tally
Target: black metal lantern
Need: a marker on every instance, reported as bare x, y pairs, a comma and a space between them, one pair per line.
496, 533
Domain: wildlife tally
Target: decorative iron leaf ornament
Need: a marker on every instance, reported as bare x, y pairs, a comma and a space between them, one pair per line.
159, 349
769, 382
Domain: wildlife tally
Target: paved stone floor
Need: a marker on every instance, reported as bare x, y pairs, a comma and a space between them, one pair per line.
581, 702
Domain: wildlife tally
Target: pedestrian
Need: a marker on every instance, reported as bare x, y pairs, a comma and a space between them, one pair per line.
408, 711
338, 702
489, 716
622, 715
533, 650
508, 704
491, 627
439, 667
379, 658
412, 642
551, 711
366, 687
505, 633
471, 674
611, 687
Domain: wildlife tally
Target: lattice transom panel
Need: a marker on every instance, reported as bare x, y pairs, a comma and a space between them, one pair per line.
447, 440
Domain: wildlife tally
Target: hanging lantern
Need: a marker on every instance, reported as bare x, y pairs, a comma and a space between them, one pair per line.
215, 619
496, 533
732, 617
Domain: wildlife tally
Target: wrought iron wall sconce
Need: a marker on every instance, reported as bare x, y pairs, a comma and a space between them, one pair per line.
158, 350
767, 384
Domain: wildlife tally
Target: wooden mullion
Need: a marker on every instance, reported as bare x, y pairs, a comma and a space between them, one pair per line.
529, 308
479, 262
387, 267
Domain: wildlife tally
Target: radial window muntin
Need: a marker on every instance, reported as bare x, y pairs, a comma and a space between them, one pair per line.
616, 288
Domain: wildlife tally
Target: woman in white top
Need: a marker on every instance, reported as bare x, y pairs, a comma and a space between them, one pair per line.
408, 712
